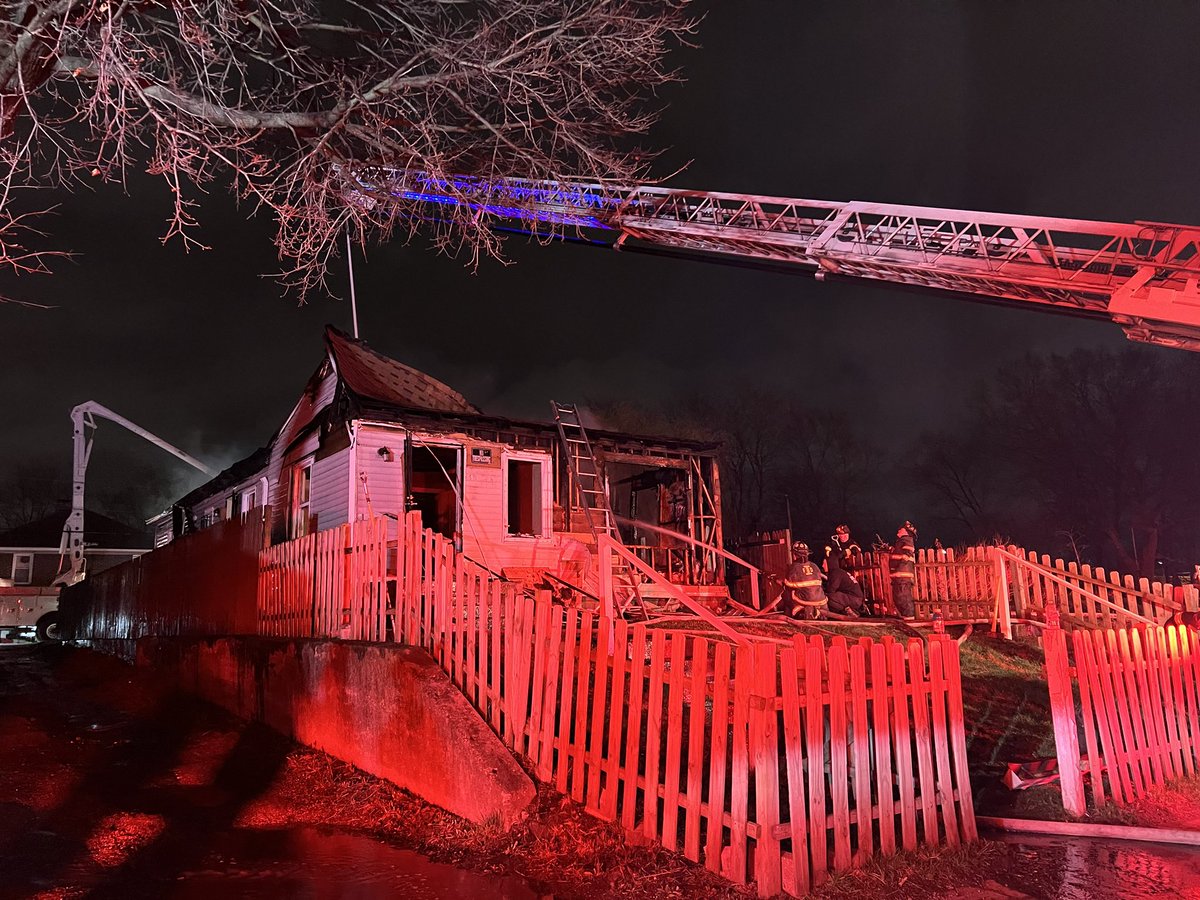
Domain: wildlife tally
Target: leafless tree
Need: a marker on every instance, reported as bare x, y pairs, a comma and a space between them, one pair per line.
31, 491
286, 96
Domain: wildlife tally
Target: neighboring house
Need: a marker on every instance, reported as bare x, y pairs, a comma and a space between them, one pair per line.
31, 555
372, 436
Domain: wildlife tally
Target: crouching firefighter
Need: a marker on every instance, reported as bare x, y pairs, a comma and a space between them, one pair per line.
803, 580
846, 595
902, 569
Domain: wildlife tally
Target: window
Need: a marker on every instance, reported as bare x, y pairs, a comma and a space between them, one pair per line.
524, 497
301, 499
249, 501
22, 568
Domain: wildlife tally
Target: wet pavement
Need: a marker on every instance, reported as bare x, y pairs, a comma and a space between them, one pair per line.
1082, 869
110, 788
304, 862
320, 864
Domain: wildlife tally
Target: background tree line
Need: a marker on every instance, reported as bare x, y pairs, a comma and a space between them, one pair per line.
1090, 455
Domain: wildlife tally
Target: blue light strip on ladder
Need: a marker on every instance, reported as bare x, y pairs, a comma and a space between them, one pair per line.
437, 192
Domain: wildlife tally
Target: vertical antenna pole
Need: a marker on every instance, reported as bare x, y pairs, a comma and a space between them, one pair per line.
353, 299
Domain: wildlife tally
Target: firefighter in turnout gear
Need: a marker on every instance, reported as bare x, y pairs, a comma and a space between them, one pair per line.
846, 595
803, 580
902, 569
845, 546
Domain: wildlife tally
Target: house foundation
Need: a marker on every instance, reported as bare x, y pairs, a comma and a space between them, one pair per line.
390, 711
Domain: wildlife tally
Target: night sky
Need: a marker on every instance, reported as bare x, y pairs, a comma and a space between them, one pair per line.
1079, 109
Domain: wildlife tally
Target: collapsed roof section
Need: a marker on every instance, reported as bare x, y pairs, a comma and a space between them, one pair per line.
369, 375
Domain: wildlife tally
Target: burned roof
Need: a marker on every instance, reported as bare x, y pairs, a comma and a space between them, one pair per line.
235, 474
388, 390
372, 376
476, 424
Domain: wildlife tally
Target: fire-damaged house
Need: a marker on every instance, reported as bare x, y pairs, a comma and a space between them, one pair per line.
371, 436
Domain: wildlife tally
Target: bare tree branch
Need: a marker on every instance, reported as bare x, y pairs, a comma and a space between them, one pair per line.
283, 95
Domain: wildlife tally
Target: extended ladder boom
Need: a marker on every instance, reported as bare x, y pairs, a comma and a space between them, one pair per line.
1143, 275
83, 423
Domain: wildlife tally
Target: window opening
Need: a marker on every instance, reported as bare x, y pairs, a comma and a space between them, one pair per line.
301, 499
524, 497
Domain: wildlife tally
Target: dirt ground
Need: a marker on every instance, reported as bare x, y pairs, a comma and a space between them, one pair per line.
110, 786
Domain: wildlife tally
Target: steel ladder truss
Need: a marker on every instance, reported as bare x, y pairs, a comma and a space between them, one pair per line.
589, 485
1142, 275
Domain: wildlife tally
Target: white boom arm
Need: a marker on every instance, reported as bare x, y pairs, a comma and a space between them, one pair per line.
83, 425
1144, 276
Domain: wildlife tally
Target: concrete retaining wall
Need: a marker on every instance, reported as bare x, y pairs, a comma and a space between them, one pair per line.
390, 711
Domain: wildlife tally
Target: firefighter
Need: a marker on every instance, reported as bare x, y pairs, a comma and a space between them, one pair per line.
902, 569
803, 580
846, 595
844, 544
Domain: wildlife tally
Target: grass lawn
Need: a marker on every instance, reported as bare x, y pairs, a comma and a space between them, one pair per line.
1007, 708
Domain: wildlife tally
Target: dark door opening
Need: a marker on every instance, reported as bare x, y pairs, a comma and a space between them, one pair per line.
650, 494
435, 479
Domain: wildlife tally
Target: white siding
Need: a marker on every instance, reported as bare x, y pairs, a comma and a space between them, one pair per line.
385, 479
316, 396
330, 489
485, 530
202, 512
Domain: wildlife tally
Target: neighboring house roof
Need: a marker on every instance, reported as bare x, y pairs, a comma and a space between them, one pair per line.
98, 531
372, 376
239, 472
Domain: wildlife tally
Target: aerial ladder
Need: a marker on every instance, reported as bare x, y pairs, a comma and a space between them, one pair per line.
83, 427
1143, 276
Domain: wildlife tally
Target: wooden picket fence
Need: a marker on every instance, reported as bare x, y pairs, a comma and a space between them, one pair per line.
1087, 597
1138, 709
333, 583
766, 764
1007, 584
958, 587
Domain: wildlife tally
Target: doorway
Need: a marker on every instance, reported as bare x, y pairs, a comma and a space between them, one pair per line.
435, 480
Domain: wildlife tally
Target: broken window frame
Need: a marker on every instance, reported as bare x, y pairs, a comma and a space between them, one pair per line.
300, 511
544, 500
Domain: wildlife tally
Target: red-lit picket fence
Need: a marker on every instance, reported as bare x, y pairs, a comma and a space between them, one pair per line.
765, 764
1138, 709
1006, 585
958, 587
1087, 597
329, 584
